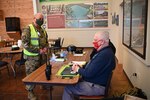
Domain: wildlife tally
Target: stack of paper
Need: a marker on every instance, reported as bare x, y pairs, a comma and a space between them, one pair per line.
60, 59
79, 54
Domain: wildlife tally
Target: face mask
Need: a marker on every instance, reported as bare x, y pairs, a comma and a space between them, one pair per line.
96, 46
39, 22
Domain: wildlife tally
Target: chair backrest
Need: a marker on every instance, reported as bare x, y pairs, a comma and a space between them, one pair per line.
109, 78
58, 43
3, 63
22, 60
2, 44
108, 84
62, 41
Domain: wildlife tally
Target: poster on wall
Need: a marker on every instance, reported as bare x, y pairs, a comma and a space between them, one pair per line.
56, 21
101, 10
79, 11
54, 16
55, 9
85, 24
77, 15
72, 24
101, 14
101, 23
101, 6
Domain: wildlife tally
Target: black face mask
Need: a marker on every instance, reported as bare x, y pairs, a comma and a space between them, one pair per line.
39, 22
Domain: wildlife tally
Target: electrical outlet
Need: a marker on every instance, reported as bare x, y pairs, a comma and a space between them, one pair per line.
134, 74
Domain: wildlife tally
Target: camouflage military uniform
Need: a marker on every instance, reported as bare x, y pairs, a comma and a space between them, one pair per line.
33, 62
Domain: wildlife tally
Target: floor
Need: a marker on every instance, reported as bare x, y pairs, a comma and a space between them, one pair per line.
14, 89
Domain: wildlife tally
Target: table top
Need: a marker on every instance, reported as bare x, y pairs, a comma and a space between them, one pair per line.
8, 50
38, 76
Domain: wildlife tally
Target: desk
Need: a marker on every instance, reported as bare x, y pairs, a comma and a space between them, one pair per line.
38, 76
7, 50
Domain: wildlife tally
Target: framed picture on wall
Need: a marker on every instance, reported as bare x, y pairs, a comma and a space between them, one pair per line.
117, 20
101, 23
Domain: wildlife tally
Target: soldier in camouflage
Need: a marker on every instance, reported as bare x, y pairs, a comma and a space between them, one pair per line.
35, 46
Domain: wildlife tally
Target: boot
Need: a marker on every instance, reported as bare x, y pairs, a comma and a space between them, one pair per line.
31, 96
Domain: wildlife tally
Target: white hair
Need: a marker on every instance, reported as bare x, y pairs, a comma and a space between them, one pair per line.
103, 35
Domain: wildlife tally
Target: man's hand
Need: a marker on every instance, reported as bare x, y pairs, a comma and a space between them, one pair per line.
43, 51
75, 68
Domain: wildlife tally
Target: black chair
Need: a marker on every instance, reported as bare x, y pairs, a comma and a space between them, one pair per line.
57, 44
19, 63
3, 65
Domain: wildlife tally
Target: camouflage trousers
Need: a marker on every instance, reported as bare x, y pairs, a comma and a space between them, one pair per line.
31, 64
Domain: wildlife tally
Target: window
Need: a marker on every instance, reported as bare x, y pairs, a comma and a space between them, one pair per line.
135, 25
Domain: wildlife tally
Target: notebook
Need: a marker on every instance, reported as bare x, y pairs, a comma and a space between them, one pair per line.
65, 71
68, 71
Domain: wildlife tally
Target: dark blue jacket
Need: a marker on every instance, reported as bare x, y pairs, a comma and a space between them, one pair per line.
99, 67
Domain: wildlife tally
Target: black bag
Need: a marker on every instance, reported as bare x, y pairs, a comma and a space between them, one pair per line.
71, 48
137, 92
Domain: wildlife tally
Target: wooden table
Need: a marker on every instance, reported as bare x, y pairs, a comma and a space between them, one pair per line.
38, 76
7, 50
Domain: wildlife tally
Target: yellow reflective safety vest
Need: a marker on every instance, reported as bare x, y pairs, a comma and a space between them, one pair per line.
34, 41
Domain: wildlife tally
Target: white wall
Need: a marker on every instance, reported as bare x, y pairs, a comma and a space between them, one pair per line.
80, 38
116, 31
133, 65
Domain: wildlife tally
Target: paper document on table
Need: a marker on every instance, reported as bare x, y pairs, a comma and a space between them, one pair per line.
81, 63
60, 59
79, 54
